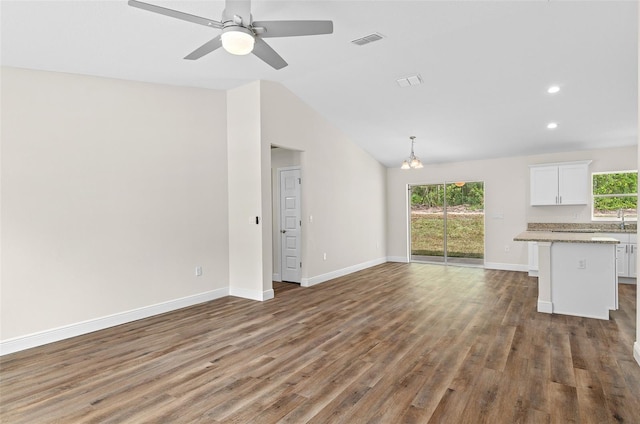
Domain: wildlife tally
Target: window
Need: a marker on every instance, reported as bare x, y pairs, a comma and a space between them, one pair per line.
615, 193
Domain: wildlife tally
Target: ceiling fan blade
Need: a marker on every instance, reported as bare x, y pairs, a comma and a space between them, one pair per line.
293, 28
267, 54
206, 48
240, 8
175, 14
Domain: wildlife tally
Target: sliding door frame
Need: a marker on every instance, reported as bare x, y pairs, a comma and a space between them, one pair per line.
445, 210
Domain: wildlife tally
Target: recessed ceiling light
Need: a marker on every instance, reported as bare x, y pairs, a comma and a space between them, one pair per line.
553, 89
552, 125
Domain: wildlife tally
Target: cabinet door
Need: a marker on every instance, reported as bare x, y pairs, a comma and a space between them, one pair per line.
633, 258
544, 185
622, 259
573, 184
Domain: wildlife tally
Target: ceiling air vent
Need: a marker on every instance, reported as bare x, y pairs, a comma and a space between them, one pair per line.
367, 39
409, 81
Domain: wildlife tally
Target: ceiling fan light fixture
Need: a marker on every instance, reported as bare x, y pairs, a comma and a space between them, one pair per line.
237, 40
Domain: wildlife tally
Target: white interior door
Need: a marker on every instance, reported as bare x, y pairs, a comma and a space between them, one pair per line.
290, 223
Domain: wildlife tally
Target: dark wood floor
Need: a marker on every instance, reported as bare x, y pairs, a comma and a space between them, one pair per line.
410, 343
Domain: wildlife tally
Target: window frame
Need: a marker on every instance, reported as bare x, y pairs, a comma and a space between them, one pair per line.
594, 196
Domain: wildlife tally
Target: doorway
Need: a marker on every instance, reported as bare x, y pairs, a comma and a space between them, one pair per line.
284, 159
447, 223
290, 225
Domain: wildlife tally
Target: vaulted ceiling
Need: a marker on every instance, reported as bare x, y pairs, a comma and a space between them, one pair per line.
485, 66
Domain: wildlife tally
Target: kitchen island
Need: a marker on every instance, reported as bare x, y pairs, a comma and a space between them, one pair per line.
577, 273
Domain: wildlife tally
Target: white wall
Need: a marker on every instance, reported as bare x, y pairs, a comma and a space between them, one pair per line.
507, 209
112, 193
343, 188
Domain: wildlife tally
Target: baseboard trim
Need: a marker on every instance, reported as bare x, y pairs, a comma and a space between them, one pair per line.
308, 282
401, 259
276, 277
66, 332
636, 352
506, 267
545, 307
251, 294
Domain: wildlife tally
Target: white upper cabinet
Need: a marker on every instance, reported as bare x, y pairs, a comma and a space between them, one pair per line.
544, 185
559, 183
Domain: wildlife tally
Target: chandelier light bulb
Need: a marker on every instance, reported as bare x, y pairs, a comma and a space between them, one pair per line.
413, 162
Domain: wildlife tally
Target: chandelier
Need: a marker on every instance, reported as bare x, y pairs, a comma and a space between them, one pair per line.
413, 162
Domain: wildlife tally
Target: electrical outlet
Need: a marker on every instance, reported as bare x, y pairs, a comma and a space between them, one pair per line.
506, 248
198, 271
324, 256
582, 263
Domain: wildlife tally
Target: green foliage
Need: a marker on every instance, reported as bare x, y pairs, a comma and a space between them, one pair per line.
615, 183
470, 195
624, 184
614, 203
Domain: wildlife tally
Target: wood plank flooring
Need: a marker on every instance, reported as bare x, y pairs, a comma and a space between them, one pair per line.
396, 343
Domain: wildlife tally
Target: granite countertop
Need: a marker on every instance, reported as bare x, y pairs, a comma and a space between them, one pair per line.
564, 237
583, 227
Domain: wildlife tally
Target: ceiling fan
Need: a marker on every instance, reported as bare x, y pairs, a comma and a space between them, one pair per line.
240, 33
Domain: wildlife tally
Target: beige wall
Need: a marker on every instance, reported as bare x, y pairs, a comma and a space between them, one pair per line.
507, 209
112, 193
343, 187
246, 249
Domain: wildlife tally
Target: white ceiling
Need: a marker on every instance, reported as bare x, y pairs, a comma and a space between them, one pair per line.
485, 66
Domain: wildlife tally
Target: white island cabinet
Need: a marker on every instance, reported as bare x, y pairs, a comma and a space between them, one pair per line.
576, 273
564, 183
627, 255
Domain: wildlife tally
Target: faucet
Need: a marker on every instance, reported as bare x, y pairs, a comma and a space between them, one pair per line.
621, 215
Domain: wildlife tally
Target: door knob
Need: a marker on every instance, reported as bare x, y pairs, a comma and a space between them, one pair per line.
283, 231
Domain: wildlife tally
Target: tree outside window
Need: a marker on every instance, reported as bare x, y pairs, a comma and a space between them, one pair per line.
615, 193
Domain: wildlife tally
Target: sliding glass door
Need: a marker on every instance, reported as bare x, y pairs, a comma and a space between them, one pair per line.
447, 223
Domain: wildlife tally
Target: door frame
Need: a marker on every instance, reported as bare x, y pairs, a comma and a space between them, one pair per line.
277, 228
445, 260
